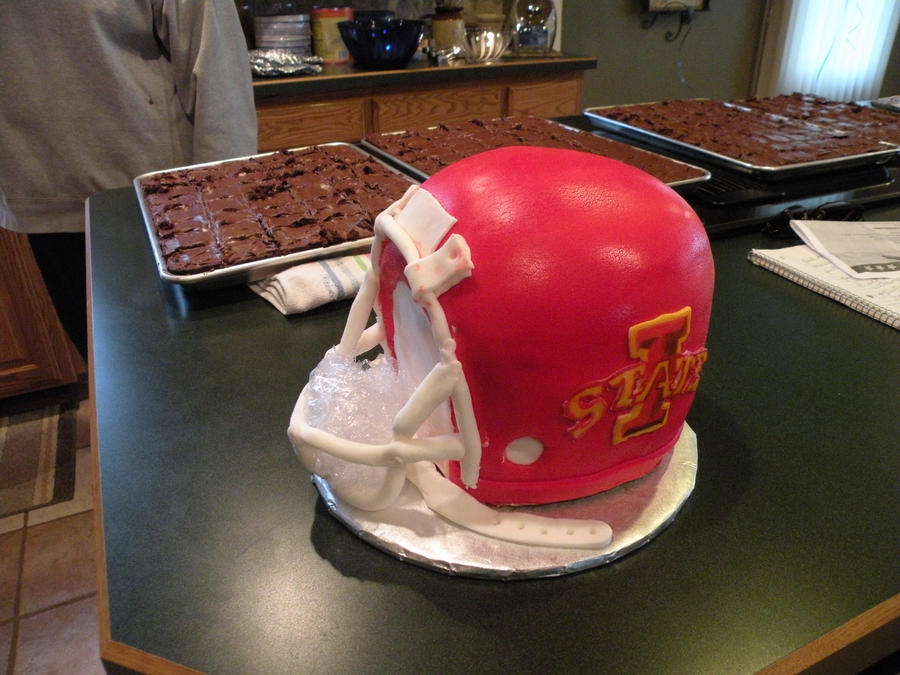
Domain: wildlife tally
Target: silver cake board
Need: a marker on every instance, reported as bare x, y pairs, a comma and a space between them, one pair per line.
637, 511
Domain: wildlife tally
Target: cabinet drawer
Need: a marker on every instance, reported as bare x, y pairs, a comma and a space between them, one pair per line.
291, 124
395, 112
546, 99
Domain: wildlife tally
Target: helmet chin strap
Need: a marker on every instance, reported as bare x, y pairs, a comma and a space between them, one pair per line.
456, 505
443, 497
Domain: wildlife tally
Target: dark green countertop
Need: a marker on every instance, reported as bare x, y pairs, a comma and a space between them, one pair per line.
344, 77
221, 557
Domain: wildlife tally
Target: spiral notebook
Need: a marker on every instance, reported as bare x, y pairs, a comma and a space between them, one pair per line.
876, 298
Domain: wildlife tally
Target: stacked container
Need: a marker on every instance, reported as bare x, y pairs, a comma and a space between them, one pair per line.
290, 32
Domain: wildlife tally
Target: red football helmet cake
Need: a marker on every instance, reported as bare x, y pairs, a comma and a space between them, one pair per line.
549, 310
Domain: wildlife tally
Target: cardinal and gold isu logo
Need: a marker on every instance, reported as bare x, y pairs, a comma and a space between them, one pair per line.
639, 395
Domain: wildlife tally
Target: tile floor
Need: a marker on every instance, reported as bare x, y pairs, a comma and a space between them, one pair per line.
48, 581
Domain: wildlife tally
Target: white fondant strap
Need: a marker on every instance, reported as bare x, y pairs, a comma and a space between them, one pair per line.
424, 220
453, 503
396, 452
440, 270
371, 337
437, 387
470, 464
387, 226
307, 441
359, 313
365, 498
352, 337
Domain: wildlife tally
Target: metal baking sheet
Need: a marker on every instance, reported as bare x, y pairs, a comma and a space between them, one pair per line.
891, 103
702, 174
597, 115
385, 155
253, 270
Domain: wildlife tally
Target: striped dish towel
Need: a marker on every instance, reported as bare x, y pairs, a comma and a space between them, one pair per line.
303, 287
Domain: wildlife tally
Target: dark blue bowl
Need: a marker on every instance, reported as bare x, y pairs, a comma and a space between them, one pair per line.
381, 43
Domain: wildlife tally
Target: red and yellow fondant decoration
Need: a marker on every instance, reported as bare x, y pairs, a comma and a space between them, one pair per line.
639, 395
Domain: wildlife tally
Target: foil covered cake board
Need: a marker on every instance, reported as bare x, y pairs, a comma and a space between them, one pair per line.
636, 511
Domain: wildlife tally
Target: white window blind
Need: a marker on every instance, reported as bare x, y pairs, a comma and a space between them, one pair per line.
838, 49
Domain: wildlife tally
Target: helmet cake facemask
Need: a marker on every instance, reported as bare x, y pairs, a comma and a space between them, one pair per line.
425, 354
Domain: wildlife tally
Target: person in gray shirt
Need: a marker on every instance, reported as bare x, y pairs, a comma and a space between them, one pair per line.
96, 92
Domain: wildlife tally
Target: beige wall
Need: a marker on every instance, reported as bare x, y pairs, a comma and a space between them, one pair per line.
891, 84
637, 64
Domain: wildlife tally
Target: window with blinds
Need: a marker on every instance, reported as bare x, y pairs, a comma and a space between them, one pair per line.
838, 49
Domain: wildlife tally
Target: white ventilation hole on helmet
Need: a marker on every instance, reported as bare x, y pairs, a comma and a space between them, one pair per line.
525, 450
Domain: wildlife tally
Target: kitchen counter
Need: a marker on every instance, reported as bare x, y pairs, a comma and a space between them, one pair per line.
345, 104
340, 77
217, 553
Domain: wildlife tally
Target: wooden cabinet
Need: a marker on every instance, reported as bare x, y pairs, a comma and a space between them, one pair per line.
346, 106
293, 121
35, 352
551, 98
425, 107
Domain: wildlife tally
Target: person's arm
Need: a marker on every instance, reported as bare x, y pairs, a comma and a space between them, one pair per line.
211, 72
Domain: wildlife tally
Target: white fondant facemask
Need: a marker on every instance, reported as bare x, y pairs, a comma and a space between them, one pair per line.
422, 437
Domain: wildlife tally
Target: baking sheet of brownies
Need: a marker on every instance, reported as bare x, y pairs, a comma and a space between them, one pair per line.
424, 151
773, 137
859, 121
239, 220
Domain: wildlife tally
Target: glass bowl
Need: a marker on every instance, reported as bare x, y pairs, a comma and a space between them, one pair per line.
485, 44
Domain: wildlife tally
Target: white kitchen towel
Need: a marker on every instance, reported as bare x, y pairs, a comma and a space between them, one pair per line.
303, 287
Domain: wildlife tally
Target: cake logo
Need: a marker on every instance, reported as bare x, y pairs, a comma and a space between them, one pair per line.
639, 395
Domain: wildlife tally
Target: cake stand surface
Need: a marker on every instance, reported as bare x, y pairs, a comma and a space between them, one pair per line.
636, 511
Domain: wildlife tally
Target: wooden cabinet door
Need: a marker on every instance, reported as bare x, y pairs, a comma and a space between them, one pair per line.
551, 98
426, 107
291, 123
34, 350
